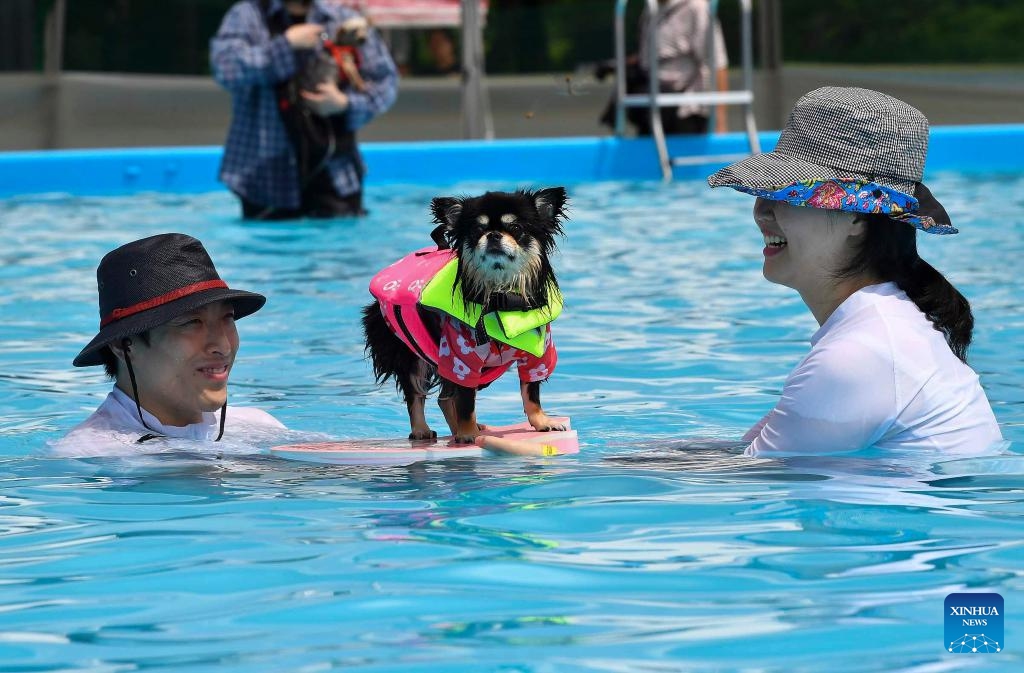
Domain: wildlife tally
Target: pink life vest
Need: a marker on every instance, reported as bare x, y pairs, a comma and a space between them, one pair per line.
397, 288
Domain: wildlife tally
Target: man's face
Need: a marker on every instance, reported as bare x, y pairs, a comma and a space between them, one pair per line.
184, 369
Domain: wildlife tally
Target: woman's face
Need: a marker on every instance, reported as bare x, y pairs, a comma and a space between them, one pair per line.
184, 369
804, 247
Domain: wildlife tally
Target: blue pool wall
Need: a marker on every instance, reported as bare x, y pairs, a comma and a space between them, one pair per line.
110, 172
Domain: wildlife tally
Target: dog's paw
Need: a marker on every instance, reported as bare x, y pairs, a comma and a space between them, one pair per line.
422, 434
541, 422
466, 432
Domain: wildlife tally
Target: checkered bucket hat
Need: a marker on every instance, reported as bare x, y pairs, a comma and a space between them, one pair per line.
847, 149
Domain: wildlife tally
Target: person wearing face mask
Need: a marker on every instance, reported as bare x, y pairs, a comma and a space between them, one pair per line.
168, 340
839, 203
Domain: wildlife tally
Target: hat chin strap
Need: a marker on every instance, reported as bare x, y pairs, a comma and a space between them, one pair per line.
223, 417
153, 434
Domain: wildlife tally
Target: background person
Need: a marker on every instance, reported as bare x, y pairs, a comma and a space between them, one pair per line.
168, 339
268, 161
839, 203
684, 66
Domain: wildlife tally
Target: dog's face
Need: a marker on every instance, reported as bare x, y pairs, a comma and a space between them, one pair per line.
503, 239
322, 67
352, 33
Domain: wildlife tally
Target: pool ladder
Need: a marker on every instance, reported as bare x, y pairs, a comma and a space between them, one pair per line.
655, 99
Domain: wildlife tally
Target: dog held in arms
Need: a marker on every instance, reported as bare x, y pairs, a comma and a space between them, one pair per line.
460, 315
339, 59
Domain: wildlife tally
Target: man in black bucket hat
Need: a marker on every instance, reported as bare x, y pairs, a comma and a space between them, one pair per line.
167, 337
839, 202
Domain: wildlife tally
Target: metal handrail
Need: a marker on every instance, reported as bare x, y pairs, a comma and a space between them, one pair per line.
655, 99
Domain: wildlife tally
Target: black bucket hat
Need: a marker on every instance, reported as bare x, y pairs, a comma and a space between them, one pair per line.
846, 148
146, 283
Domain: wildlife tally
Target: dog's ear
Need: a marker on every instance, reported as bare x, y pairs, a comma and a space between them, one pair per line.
446, 213
550, 203
446, 210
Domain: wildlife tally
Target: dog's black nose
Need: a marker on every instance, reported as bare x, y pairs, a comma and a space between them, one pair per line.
494, 236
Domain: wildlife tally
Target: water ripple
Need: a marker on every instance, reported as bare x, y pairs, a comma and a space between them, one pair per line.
659, 548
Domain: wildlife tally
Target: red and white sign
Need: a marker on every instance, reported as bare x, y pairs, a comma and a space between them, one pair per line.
412, 13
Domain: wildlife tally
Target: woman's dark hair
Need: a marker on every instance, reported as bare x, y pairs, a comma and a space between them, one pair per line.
110, 360
889, 253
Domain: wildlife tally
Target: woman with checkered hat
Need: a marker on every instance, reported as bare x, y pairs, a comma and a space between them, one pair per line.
168, 339
839, 203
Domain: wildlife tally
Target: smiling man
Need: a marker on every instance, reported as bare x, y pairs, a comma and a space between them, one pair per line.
168, 339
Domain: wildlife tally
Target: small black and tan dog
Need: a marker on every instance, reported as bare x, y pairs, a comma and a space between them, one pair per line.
489, 306
338, 60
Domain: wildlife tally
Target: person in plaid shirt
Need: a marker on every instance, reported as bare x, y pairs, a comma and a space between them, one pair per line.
260, 46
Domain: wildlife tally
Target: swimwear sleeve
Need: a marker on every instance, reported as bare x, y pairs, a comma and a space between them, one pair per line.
841, 398
753, 432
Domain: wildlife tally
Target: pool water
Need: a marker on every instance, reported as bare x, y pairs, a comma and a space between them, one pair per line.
658, 548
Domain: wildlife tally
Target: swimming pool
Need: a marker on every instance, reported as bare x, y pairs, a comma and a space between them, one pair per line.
629, 557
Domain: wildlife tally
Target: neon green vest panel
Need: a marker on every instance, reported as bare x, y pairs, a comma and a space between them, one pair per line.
520, 329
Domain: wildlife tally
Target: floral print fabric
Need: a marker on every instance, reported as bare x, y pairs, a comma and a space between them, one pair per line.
855, 195
463, 361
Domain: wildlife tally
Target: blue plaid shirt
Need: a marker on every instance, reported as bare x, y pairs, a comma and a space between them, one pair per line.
259, 161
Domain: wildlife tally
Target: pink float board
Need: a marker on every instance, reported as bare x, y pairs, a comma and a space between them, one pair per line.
406, 451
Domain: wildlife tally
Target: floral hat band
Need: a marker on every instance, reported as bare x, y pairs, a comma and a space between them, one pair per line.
862, 196
845, 148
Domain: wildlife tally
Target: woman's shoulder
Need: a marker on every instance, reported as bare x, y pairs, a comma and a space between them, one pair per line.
896, 316
888, 333
875, 317
850, 357
861, 347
